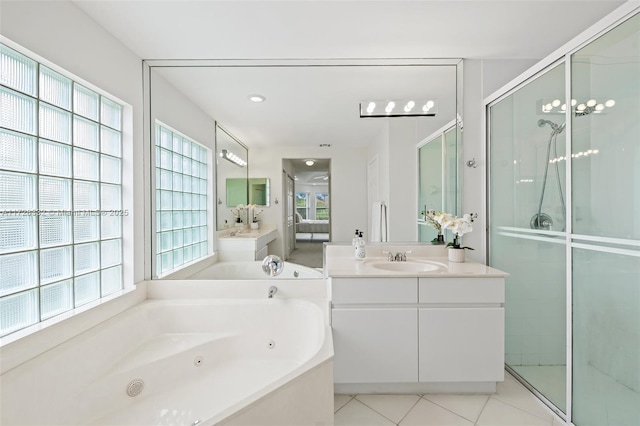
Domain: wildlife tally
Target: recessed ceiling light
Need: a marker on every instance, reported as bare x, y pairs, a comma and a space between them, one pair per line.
309, 163
257, 98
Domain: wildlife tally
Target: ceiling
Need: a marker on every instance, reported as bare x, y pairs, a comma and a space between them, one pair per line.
313, 105
316, 174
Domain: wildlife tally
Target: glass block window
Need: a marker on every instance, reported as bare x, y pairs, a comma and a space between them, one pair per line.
60, 193
181, 200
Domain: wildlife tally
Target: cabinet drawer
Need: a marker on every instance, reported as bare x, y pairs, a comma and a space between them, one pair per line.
461, 290
374, 290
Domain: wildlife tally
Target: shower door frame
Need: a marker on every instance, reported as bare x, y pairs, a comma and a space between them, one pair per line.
559, 56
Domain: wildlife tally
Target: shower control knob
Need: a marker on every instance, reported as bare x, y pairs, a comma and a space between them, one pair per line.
272, 265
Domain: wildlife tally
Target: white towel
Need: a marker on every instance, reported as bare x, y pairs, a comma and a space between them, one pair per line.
378, 222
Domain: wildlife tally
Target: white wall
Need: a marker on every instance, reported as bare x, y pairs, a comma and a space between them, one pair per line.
59, 32
348, 186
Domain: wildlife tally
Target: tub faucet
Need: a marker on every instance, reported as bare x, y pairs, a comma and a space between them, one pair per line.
272, 290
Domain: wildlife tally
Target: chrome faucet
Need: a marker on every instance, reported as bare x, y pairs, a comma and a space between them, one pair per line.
401, 257
272, 290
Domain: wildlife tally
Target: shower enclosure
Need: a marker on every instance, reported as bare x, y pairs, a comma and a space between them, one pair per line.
564, 221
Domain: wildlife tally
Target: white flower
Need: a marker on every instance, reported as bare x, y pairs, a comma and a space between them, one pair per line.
458, 225
240, 207
444, 219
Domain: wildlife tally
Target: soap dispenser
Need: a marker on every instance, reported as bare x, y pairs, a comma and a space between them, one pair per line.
360, 247
353, 241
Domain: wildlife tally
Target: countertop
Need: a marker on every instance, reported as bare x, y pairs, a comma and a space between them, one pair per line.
245, 232
374, 267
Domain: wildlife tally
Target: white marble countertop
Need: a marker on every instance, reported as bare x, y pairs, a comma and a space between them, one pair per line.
245, 232
422, 261
370, 267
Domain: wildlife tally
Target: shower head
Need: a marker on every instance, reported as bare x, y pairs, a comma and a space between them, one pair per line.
556, 128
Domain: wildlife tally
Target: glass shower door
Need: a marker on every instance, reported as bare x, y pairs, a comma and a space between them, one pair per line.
527, 228
605, 175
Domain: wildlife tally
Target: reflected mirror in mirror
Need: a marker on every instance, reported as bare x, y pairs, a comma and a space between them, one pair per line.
438, 177
231, 167
236, 191
259, 191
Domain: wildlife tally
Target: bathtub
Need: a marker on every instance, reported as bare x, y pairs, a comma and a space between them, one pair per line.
247, 270
183, 362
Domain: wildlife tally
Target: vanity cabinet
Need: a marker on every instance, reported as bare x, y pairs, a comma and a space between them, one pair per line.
375, 341
418, 332
246, 245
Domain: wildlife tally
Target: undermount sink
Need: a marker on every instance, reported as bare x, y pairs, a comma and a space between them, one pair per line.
407, 266
253, 234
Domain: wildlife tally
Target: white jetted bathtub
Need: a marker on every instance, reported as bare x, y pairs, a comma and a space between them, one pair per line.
249, 270
183, 362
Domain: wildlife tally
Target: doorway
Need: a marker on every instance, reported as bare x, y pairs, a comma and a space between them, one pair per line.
311, 209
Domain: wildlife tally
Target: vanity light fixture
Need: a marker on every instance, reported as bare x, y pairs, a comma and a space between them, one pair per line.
230, 156
586, 107
310, 163
398, 108
257, 98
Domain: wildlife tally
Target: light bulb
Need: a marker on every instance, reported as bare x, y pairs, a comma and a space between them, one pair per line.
371, 107
573, 102
591, 103
581, 107
610, 103
555, 103
390, 107
599, 107
563, 107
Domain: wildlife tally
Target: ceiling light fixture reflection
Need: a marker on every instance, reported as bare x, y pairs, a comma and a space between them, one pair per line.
257, 98
230, 156
589, 106
398, 108
310, 163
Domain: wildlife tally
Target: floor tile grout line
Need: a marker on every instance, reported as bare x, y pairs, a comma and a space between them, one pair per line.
444, 408
481, 410
351, 397
522, 409
376, 411
410, 409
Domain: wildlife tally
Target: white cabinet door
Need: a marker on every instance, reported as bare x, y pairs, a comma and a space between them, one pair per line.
375, 345
461, 344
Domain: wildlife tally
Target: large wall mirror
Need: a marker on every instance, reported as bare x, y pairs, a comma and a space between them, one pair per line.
231, 176
281, 126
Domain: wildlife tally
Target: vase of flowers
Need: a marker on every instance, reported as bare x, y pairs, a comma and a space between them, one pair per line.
459, 226
430, 218
238, 214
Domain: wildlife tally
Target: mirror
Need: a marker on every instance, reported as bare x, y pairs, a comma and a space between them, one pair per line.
280, 127
439, 184
236, 191
231, 176
259, 191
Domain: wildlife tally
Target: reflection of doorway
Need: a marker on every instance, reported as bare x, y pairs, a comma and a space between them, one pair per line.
312, 198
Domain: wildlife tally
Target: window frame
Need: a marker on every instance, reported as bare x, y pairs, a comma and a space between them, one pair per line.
125, 212
306, 208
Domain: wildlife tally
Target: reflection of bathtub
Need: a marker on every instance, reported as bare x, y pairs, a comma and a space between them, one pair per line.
233, 361
247, 270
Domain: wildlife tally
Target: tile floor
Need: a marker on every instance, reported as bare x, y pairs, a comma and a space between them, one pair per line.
511, 405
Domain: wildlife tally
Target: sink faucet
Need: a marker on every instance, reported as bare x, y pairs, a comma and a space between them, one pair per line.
401, 257
272, 290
